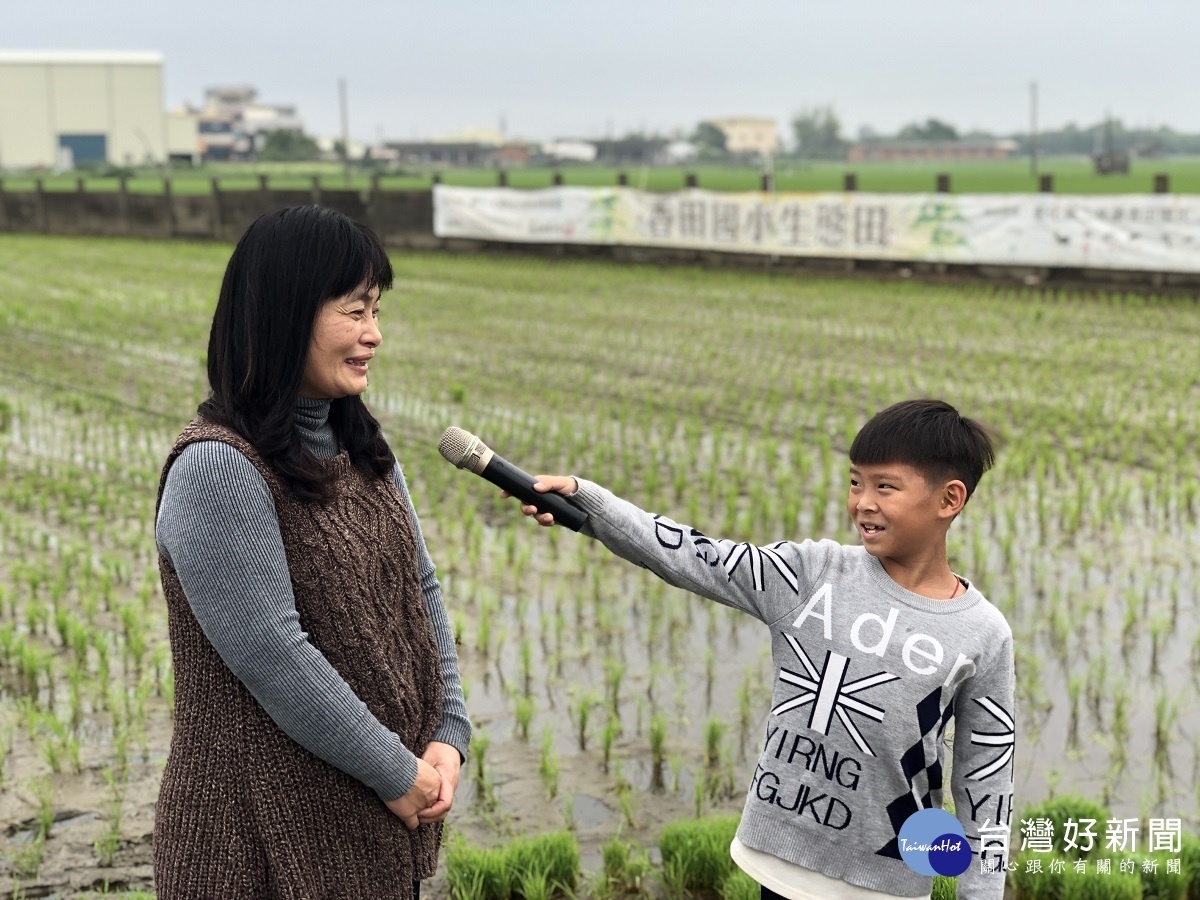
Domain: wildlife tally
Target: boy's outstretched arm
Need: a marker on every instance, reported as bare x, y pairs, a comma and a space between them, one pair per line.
982, 775
767, 582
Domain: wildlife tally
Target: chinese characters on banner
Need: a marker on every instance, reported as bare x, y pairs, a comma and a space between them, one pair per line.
1146, 232
756, 224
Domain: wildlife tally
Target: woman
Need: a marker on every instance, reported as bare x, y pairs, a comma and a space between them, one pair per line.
319, 714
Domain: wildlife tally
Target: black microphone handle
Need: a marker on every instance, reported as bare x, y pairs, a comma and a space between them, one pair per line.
508, 477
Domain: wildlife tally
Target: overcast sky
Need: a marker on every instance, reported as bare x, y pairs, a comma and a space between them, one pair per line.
554, 69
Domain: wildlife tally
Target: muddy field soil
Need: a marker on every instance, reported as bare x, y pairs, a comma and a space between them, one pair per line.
588, 800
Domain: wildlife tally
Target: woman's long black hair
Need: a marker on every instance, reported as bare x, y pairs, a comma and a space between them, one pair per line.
287, 265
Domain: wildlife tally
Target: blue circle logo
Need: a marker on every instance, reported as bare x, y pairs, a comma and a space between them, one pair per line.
932, 842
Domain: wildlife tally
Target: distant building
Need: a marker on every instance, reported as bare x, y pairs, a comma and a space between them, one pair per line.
65, 109
488, 136
570, 151
678, 152
514, 155
633, 150
930, 151
749, 136
1107, 160
232, 123
331, 149
183, 137
443, 153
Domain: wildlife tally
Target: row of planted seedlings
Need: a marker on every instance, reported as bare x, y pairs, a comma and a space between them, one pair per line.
1103, 607
517, 564
621, 670
1005, 353
83, 659
729, 403
1047, 539
694, 861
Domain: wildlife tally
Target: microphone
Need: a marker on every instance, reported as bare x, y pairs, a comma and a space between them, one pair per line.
466, 451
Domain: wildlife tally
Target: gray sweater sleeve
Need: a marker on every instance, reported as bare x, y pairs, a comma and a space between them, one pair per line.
218, 528
767, 582
456, 726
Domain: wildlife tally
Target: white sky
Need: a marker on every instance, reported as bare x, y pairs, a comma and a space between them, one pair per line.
568, 68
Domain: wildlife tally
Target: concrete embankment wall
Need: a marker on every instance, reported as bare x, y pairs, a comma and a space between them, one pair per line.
220, 216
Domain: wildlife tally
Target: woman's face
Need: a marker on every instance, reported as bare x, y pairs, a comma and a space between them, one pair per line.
344, 339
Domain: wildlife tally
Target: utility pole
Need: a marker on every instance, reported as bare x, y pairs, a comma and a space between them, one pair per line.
345, 128
1033, 98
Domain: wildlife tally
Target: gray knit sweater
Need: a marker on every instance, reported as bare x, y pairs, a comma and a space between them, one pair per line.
237, 584
867, 676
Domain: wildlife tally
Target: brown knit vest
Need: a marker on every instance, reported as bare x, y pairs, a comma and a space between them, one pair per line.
246, 812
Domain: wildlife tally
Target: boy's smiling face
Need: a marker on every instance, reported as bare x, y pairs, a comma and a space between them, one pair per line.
898, 514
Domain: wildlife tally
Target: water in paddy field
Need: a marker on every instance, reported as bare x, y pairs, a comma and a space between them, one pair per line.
724, 402
731, 407
1106, 696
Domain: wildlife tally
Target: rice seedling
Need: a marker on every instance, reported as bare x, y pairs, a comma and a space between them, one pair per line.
1075, 686
548, 765
43, 792
709, 673
545, 864
476, 874
109, 841
1166, 711
523, 710
627, 801
480, 742
714, 735
745, 713
526, 662
625, 866
1099, 611
1096, 688
568, 811
1160, 629
1120, 727
581, 715
658, 740
483, 631
739, 886
699, 851
675, 761
27, 858
614, 674
535, 886
612, 729
501, 637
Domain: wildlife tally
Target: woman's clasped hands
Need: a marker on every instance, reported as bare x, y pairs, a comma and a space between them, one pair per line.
432, 794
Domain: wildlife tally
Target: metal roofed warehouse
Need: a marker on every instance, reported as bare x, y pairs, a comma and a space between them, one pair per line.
62, 109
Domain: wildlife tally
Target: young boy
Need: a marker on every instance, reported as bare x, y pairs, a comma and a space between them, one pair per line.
876, 647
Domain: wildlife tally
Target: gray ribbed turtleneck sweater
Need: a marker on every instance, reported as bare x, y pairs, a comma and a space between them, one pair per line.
238, 587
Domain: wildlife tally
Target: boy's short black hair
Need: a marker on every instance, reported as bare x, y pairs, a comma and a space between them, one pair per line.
930, 436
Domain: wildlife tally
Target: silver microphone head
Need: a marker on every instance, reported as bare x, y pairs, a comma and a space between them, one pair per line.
464, 450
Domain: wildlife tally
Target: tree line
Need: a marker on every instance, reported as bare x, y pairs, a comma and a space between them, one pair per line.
817, 134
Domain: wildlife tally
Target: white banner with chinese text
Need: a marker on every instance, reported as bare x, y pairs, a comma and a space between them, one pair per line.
1125, 231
